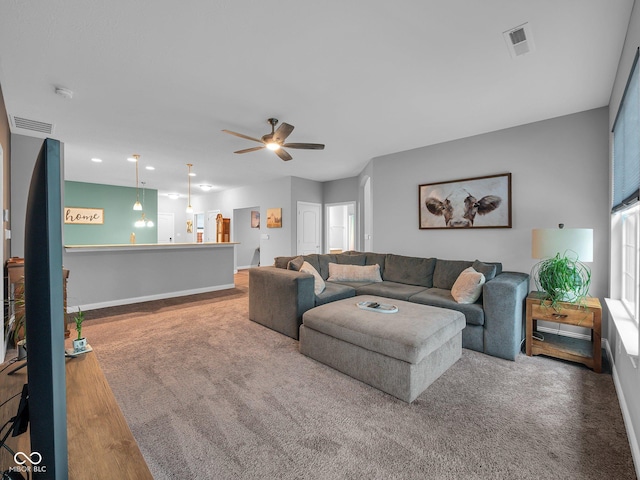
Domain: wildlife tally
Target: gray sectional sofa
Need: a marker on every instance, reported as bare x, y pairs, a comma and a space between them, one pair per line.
280, 295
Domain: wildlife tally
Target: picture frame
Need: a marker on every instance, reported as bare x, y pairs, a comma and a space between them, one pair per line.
480, 202
255, 219
83, 216
274, 217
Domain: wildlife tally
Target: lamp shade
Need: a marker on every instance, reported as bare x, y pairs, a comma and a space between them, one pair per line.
547, 242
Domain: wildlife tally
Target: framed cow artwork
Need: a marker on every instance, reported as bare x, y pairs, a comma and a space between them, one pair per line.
482, 202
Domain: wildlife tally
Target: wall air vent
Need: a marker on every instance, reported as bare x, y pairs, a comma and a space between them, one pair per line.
519, 40
22, 123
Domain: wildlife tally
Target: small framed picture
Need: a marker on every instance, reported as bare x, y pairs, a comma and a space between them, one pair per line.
255, 219
274, 217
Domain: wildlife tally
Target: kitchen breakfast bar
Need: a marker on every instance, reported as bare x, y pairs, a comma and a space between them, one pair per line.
109, 275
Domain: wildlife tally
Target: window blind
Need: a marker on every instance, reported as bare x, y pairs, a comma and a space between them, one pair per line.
626, 145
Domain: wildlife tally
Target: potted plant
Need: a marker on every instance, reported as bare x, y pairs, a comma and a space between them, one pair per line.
562, 278
80, 343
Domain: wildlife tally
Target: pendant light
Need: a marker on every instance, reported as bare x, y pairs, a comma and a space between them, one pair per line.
143, 222
189, 207
137, 206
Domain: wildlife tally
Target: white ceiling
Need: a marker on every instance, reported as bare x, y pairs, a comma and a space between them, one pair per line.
365, 77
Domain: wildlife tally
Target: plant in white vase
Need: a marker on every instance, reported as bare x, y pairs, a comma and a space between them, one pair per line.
80, 343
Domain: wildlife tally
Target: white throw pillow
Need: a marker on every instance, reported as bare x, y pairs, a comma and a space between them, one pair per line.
354, 273
468, 286
318, 285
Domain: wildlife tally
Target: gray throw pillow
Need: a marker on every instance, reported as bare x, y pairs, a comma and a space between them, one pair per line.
295, 264
487, 269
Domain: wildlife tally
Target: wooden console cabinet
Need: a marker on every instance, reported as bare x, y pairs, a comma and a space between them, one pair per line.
587, 315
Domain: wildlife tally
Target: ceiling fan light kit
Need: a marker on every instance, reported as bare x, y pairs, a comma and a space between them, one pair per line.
274, 141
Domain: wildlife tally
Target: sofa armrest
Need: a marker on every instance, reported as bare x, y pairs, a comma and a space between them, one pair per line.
504, 303
279, 297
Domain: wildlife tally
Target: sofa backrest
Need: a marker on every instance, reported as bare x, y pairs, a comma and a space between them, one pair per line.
424, 272
409, 270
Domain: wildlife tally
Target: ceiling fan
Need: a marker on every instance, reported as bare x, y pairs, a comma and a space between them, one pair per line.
275, 140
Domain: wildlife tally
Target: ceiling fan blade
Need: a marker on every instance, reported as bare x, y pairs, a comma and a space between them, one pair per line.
282, 133
283, 154
308, 146
242, 136
247, 150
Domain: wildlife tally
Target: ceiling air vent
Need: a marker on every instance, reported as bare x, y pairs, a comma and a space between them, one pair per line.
519, 40
32, 125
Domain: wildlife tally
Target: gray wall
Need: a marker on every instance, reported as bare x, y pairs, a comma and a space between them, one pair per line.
559, 175
341, 191
273, 194
628, 376
24, 151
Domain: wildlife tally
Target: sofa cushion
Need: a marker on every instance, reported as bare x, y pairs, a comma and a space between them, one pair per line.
439, 297
489, 270
447, 272
468, 286
399, 291
409, 337
282, 262
376, 258
319, 284
354, 273
312, 259
333, 292
351, 259
323, 263
409, 270
295, 264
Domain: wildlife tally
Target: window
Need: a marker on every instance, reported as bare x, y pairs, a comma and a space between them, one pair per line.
629, 268
625, 219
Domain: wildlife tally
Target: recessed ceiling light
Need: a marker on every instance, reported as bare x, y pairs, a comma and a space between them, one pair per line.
191, 174
96, 160
173, 196
149, 167
206, 188
132, 159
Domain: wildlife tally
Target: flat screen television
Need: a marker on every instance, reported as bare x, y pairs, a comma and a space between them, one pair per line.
44, 304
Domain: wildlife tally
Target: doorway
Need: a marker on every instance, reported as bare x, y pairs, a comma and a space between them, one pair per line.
340, 227
246, 231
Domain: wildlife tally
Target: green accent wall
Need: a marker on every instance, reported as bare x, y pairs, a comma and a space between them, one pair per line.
119, 216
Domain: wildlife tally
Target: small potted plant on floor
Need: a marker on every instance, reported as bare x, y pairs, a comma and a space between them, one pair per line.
80, 343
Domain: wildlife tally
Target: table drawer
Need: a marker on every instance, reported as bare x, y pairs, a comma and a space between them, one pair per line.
582, 317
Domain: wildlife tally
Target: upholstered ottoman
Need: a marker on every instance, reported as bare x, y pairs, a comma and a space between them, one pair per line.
399, 353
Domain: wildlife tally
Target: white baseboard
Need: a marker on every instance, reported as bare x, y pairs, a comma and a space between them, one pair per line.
147, 298
631, 435
244, 267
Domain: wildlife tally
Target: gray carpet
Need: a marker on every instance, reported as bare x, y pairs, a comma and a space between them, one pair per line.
210, 394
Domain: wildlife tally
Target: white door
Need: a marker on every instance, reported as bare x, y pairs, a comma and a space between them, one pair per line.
309, 228
166, 228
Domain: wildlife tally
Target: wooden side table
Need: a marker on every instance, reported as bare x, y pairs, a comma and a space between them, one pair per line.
588, 315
